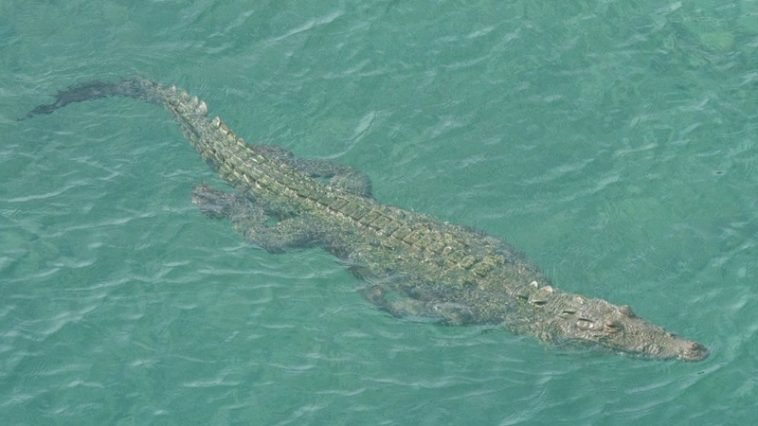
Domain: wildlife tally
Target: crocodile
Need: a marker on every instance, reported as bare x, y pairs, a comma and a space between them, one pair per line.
413, 266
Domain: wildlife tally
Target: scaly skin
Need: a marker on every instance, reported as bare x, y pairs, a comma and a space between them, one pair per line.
414, 265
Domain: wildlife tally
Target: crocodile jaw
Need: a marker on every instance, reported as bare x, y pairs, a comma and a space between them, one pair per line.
600, 323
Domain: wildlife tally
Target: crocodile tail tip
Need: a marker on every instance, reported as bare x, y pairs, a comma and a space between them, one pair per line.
135, 87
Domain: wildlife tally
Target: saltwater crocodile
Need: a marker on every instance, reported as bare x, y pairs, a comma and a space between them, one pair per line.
413, 265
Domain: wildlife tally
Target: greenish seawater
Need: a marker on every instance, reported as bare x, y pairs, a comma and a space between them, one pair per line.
613, 142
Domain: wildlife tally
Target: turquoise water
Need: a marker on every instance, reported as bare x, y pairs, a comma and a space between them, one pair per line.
614, 142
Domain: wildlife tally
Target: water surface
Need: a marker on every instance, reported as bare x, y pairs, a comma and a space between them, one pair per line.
613, 142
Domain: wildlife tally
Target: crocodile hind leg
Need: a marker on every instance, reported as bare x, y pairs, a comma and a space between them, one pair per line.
251, 220
403, 306
337, 175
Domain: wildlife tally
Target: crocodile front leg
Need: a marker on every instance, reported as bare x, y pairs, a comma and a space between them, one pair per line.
251, 220
449, 313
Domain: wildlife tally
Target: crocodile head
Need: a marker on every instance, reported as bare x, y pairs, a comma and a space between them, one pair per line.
595, 321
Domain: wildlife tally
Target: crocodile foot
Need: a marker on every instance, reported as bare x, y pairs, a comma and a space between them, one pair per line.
251, 220
213, 203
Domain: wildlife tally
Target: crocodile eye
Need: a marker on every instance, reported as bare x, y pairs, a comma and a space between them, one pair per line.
538, 302
613, 326
585, 323
568, 312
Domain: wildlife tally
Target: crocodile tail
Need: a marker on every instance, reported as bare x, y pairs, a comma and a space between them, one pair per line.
189, 111
137, 88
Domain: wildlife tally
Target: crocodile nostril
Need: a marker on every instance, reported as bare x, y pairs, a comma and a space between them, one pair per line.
694, 351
